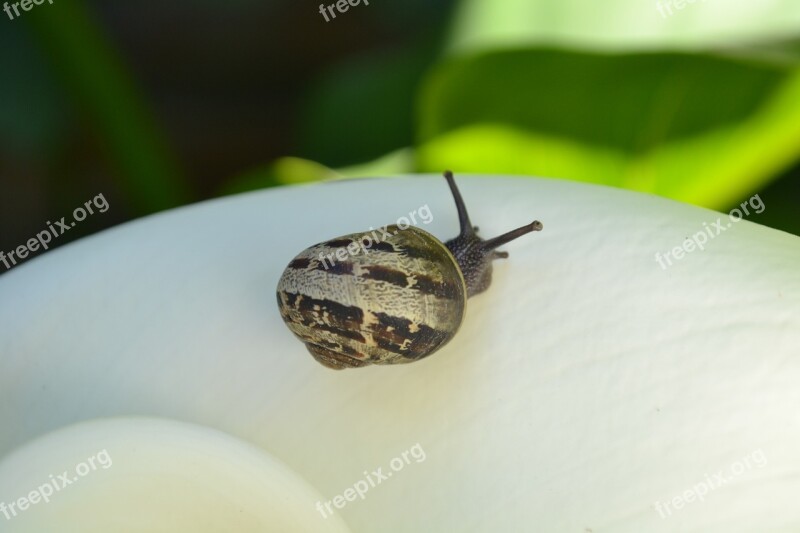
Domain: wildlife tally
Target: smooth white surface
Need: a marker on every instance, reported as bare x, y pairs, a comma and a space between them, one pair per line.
139, 474
586, 384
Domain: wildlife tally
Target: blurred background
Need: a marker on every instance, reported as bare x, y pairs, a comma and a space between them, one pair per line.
157, 104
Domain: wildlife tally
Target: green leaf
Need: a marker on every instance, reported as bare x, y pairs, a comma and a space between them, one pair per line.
402, 161
282, 171
701, 128
294, 170
483, 147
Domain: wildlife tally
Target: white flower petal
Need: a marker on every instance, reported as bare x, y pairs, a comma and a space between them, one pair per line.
586, 384
140, 474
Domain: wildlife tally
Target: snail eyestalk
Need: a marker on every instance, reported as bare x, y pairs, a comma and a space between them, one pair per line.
473, 254
463, 216
498, 241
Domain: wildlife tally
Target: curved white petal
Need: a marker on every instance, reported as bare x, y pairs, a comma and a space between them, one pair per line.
141, 474
585, 385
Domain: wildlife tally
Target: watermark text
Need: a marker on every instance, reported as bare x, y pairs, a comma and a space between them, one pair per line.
341, 6
371, 480
665, 6
56, 484
698, 240
53, 231
699, 491
26, 5
368, 240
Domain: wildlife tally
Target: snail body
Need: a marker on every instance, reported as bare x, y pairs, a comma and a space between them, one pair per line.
392, 302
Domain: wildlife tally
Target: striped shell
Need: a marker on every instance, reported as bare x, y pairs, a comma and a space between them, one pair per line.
399, 302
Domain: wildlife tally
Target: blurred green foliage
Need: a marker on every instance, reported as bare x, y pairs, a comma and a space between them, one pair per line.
97, 79
699, 119
702, 106
695, 127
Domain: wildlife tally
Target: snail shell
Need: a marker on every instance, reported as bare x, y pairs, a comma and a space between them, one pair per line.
401, 301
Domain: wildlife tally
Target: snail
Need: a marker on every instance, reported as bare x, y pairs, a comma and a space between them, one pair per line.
388, 301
